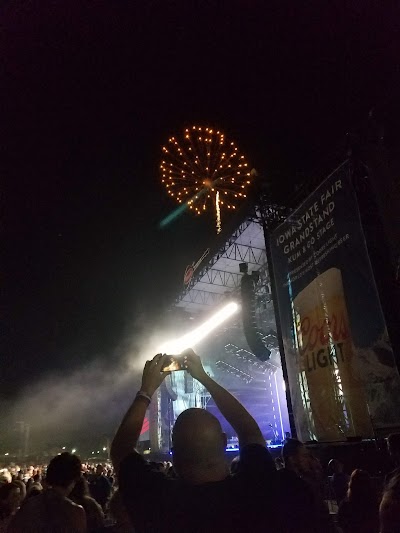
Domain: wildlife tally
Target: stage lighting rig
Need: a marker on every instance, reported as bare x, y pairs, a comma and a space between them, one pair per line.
253, 364
227, 367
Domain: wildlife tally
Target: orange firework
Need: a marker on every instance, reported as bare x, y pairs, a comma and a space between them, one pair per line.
202, 169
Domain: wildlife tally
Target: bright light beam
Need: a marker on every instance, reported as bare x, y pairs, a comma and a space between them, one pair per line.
175, 213
192, 338
181, 208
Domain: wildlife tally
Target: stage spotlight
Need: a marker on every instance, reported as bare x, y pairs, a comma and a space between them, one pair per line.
192, 338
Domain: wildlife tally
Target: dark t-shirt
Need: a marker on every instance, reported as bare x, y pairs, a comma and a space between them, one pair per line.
100, 489
306, 510
340, 482
252, 500
360, 517
239, 503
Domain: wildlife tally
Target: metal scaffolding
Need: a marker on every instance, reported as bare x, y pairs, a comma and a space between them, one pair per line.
221, 275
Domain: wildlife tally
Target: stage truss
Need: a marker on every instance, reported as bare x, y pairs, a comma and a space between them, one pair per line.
221, 275
258, 385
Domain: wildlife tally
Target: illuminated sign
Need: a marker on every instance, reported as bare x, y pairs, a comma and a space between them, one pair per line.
190, 269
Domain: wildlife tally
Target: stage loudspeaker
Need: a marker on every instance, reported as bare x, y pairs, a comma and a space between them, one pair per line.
253, 336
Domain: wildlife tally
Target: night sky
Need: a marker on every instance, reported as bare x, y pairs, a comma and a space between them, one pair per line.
90, 92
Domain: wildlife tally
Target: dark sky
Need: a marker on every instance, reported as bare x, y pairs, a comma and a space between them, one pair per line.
90, 91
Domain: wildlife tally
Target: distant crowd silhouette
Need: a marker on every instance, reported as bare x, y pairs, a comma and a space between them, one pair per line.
200, 491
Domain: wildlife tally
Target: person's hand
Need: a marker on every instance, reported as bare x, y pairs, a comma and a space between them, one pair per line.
193, 365
152, 375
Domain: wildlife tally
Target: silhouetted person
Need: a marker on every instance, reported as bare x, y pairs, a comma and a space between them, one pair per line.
110, 476
359, 511
22, 490
340, 480
100, 487
389, 510
302, 476
35, 487
393, 445
52, 510
204, 497
94, 513
119, 515
10, 499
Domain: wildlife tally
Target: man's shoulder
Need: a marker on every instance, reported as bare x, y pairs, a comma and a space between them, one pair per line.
72, 505
36, 510
137, 475
32, 504
69, 508
76, 514
256, 460
89, 500
90, 504
391, 475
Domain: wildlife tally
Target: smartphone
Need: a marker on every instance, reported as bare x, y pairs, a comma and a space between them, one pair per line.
173, 363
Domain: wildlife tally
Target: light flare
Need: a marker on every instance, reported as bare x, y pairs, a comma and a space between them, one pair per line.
191, 339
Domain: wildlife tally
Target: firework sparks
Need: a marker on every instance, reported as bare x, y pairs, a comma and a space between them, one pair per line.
202, 169
218, 213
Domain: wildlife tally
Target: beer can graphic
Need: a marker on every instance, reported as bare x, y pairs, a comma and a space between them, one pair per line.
333, 396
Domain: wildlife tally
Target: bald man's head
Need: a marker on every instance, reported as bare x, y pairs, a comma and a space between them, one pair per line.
199, 447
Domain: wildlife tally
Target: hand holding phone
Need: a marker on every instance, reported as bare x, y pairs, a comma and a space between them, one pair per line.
173, 363
194, 365
152, 375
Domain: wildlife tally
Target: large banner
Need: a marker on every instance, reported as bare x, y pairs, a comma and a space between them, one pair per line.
342, 375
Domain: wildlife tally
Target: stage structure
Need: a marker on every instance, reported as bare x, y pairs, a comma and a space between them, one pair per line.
337, 358
226, 353
333, 337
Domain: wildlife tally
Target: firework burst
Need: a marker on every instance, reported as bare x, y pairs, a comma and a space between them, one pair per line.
203, 169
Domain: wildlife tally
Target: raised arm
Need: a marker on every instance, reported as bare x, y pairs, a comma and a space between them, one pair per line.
128, 432
242, 422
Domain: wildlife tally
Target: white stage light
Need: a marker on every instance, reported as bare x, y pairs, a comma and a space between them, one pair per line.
192, 338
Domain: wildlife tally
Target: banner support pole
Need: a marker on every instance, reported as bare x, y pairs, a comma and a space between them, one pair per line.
277, 215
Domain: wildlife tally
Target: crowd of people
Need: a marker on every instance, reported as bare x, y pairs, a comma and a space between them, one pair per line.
200, 491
